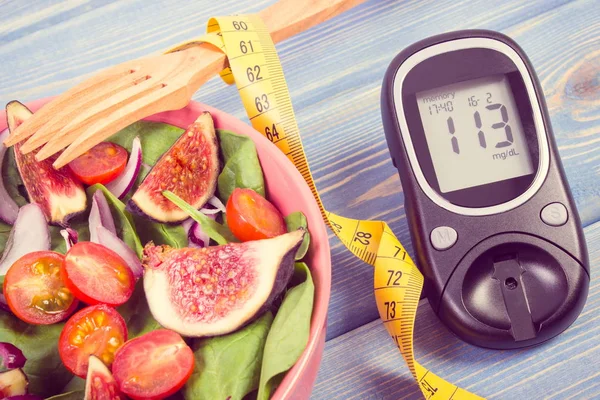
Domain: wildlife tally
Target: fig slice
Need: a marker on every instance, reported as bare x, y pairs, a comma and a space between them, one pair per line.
57, 192
13, 382
99, 382
189, 169
216, 290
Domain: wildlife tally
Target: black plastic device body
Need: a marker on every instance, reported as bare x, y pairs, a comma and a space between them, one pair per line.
517, 271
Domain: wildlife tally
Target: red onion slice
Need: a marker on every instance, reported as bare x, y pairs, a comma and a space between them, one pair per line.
103, 231
11, 357
29, 233
100, 215
209, 211
71, 237
3, 304
112, 241
187, 225
196, 236
123, 183
8, 208
216, 203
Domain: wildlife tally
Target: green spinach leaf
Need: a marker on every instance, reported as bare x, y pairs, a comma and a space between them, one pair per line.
217, 232
45, 370
156, 138
172, 235
136, 313
123, 219
242, 168
289, 333
12, 178
74, 384
228, 367
4, 233
58, 244
74, 395
298, 220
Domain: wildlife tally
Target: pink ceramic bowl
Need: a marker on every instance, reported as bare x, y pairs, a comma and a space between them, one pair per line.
288, 191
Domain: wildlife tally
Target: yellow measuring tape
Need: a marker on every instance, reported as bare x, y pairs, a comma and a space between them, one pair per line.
255, 68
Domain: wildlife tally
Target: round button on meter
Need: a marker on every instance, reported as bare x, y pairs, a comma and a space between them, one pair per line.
443, 237
554, 214
467, 127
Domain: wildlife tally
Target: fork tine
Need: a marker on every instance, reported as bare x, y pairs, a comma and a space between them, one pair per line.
172, 99
97, 106
39, 118
174, 79
59, 139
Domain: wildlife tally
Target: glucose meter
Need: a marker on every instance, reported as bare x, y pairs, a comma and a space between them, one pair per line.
492, 220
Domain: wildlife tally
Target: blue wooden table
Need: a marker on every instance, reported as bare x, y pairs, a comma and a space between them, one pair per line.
334, 72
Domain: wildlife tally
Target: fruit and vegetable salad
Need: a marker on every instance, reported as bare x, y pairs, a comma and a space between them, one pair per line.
153, 266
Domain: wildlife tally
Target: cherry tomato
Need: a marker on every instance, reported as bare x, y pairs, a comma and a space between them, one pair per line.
101, 164
35, 291
252, 217
154, 365
97, 330
95, 274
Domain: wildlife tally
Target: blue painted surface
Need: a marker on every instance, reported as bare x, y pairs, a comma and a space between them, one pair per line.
334, 72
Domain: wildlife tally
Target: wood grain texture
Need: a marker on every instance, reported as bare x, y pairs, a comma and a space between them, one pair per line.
364, 363
334, 72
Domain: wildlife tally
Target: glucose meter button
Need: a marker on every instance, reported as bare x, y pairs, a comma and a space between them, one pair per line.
555, 214
443, 237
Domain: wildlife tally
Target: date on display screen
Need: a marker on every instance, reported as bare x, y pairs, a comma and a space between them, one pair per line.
474, 133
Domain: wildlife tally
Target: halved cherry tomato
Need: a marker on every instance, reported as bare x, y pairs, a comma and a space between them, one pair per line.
252, 217
97, 330
101, 164
35, 291
95, 274
154, 365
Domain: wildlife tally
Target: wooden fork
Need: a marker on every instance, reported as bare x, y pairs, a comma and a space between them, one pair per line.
97, 108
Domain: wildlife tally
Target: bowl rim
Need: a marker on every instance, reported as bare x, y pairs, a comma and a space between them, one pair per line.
292, 380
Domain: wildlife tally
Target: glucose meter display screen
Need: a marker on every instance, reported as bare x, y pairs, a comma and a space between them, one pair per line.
474, 133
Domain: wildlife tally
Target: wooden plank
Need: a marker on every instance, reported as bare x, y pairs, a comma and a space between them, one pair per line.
365, 364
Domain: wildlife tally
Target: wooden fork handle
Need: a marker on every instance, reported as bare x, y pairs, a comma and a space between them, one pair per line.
287, 18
